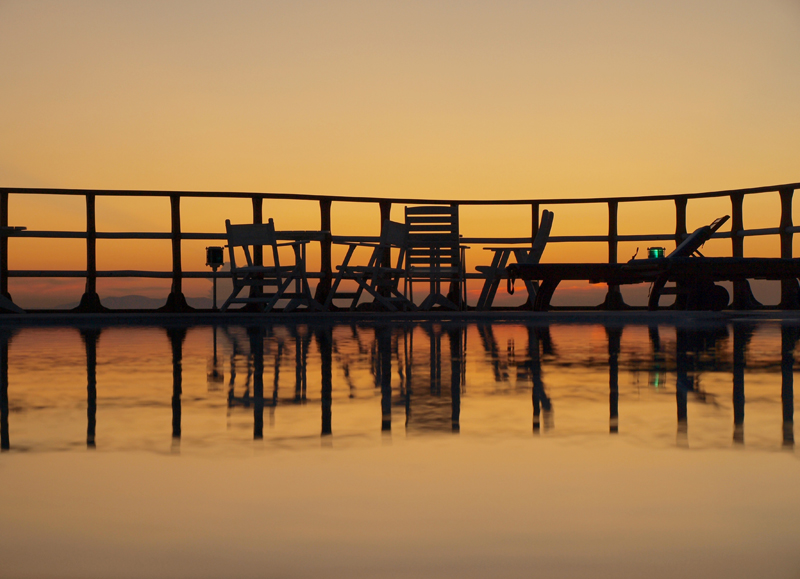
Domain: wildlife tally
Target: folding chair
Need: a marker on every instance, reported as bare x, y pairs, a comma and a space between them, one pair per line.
378, 277
267, 283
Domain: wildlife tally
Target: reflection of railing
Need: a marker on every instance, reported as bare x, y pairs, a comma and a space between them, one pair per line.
785, 229
418, 388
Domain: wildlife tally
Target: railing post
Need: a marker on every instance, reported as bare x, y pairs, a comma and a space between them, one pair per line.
743, 298
5, 443
614, 299
326, 267
386, 213
90, 301
790, 291
258, 219
680, 220
176, 302
258, 251
528, 305
4, 246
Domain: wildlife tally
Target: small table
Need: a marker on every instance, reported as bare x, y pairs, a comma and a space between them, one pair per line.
497, 270
5, 303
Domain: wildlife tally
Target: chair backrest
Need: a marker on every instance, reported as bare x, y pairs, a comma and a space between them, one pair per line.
394, 233
542, 235
250, 234
697, 238
433, 237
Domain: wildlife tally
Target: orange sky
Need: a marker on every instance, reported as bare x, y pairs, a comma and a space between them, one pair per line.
414, 99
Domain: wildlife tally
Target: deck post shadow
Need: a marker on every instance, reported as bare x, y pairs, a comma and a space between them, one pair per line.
683, 384
741, 337
614, 339
789, 337
383, 376
5, 338
90, 339
176, 337
456, 337
325, 345
538, 342
301, 343
256, 335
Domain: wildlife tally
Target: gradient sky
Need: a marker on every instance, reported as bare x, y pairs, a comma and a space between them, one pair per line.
414, 99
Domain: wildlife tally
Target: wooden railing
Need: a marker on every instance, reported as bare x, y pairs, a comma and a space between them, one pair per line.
176, 301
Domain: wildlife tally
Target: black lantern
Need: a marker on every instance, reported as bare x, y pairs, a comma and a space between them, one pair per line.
214, 257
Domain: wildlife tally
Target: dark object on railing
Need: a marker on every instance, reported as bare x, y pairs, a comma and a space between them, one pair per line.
276, 279
435, 255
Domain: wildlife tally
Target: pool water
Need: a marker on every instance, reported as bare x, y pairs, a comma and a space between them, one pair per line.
400, 449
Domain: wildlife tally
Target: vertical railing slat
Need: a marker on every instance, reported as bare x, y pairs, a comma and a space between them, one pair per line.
176, 302
790, 291
326, 265
614, 299
743, 298
4, 246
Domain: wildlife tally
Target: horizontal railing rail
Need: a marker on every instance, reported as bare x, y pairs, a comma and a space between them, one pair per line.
325, 237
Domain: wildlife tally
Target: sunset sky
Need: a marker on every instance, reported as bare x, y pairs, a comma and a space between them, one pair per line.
472, 100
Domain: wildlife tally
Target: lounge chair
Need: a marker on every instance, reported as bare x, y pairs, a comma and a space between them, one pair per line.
693, 274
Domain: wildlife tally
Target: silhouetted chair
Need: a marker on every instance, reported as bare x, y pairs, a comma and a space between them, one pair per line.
492, 274
378, 277
267, 283
435, 255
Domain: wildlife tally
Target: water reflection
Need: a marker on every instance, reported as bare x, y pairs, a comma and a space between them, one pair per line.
423, 372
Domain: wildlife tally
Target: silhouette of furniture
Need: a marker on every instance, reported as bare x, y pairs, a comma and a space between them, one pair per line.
492, 274
267, 283
435, 256
693, 274
378, 277
5, 303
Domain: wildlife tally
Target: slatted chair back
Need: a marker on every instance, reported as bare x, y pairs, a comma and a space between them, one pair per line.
434, 252
433, 239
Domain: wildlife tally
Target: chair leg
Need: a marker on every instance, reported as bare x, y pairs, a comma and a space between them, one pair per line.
234, 294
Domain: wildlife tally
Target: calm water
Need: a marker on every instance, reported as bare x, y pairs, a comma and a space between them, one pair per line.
428, 449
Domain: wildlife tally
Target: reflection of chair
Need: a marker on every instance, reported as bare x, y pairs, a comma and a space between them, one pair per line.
378, 278
492, 274
435, 255
268, 283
